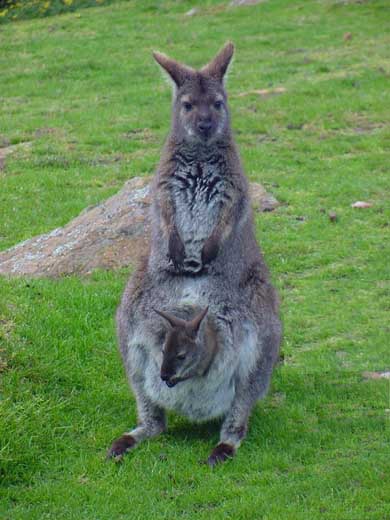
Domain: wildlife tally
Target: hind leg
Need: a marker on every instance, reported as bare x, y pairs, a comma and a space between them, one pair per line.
235, 424
151, 422
248, 392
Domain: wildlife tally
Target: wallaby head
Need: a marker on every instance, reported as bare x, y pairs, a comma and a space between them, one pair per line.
182, 350
200, 110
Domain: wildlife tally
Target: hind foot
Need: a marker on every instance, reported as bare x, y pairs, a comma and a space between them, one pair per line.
221, 453
120, 447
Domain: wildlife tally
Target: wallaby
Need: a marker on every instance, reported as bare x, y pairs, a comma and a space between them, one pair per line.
198, 324
185, 354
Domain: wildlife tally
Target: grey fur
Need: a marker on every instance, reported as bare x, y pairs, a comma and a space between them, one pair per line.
203, 253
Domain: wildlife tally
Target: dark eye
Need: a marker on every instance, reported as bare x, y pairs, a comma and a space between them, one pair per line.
180, 357
218, 105
187, 106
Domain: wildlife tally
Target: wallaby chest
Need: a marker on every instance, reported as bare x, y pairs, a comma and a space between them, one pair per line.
199, 190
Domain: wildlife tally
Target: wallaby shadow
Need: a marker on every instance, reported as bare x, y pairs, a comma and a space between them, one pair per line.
182, 429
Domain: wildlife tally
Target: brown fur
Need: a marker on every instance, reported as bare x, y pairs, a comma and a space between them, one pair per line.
220, 453
121, 446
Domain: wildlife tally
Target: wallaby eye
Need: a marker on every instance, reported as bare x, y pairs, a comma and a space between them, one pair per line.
180, 357
218, 105
187, 106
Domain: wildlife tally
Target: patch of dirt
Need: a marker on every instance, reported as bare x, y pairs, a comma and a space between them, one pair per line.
265, 92
6, 328
361, 125
342, 356
40, 132
277, 399
142, 134
8, 150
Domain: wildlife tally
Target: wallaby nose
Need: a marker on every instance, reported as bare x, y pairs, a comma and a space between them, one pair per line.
167, 380
205, 126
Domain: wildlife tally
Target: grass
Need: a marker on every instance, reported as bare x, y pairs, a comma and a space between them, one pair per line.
82, 88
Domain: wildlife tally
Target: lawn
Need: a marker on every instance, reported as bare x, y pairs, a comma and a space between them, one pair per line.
83, 92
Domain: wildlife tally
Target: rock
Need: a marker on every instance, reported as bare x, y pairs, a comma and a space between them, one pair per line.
192, 12
376, 375
361, 204
236, 3
332, 216
261, 199
111, 235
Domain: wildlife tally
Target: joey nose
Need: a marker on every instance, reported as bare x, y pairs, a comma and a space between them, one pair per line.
204, 126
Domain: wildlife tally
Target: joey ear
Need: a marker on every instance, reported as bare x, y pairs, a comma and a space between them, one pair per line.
194, 324
177, 71
171, 319
219, 65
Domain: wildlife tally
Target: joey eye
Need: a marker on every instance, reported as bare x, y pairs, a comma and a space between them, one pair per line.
187, 106
180, 357
218, 105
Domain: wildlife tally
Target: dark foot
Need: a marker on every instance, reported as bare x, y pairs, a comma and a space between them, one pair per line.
220, 453
120, 447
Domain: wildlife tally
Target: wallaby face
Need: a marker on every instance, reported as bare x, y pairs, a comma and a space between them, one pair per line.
180, 357
182, 351
200, 110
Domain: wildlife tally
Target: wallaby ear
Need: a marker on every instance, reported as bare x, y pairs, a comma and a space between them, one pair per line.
219, 65
171, 319
178, 72
194, 324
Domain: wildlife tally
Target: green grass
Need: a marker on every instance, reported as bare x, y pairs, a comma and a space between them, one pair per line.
83, 89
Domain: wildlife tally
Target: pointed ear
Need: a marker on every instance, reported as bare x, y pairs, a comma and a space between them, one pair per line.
219, 65
194, 324
171, 319
176, 71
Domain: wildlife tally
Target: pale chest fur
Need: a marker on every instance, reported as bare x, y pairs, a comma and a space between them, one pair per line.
198, 399
199, 190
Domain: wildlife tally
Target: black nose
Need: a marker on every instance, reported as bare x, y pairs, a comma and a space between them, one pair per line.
204, 126
167, 379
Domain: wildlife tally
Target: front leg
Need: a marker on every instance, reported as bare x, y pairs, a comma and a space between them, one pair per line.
211, 248
233, 211
151, 422
166, 210
176, 250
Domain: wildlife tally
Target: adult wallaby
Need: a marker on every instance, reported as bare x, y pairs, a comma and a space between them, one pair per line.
204, 275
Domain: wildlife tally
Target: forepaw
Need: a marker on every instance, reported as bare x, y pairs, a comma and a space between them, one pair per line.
220, 453
176, 251
121, 446
210, 250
